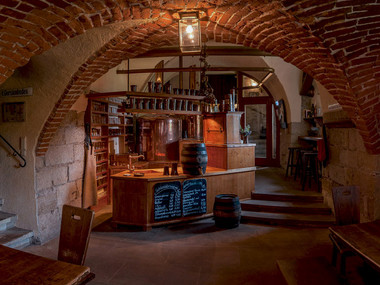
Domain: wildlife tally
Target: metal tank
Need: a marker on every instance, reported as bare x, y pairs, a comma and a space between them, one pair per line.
167, 131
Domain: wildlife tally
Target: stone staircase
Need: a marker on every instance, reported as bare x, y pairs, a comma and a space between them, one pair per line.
10, 235
287, 210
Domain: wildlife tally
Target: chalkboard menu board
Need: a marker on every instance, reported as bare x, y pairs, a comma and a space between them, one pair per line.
194, 197
167, 200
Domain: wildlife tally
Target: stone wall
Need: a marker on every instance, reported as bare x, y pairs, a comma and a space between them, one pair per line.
350, 164
289, 136
59, 175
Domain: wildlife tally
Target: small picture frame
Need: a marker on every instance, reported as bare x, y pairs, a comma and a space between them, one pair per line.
13, 112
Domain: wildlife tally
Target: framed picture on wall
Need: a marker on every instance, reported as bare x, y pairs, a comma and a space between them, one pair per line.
13, 112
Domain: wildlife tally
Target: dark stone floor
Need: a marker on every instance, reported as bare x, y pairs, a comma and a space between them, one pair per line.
198, 252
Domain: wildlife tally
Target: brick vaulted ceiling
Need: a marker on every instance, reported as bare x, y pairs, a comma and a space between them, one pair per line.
336, 42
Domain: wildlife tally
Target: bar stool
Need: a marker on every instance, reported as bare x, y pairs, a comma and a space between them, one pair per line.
292, 159
310, 168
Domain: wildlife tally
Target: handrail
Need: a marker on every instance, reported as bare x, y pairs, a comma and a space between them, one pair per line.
15, 152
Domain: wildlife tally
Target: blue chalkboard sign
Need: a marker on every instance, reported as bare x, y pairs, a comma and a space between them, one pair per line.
194, 199
167, 200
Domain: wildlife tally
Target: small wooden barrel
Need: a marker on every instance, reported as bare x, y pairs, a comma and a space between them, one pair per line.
194, 158
227, 211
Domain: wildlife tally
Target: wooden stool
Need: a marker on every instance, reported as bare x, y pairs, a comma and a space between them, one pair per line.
291, 157
299, 164
310, 168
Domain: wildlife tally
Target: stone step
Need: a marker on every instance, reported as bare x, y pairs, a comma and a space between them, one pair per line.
307, 197
16, 237
285, 207
287, 219
7, 220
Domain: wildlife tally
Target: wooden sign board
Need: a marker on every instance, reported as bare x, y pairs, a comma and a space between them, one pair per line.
194, 201
167, 200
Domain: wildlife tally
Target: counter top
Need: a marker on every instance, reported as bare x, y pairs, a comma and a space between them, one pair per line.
156, 174
230, 145
309, 138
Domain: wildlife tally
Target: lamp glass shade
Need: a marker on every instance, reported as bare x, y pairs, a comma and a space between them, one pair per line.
189, 33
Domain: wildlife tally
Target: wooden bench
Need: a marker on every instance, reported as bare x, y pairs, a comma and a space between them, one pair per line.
309, 271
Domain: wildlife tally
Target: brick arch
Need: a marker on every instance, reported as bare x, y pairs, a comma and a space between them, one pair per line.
335, 42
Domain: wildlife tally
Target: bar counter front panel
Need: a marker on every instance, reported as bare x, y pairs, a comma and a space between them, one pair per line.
134, 197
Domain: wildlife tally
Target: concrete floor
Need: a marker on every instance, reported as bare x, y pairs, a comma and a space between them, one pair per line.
196, 253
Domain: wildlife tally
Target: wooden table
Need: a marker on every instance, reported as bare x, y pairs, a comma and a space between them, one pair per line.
363, 239
18, 267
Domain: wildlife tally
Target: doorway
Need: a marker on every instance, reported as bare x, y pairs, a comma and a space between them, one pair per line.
260, 114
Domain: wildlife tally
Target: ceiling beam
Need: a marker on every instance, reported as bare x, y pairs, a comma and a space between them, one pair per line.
210, 50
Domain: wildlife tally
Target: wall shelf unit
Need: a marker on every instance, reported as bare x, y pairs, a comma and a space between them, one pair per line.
106, 123
144, 95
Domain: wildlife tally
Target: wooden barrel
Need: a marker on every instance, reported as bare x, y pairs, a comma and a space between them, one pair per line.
227, 211
194, 158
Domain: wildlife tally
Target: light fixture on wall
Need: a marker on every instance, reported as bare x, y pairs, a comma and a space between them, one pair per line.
189, 32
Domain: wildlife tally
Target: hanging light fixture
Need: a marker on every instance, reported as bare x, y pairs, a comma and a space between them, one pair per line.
189, 32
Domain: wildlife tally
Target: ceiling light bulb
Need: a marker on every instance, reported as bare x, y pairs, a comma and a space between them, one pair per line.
189, 29
191, 36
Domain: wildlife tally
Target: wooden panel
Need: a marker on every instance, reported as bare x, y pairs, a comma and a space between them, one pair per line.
363, 239
230, 157
217, 156
214, 130
18, 267
130, 202
240, 157
346, 204
241, 184
222, 128
134, 198
233, 127
75, 234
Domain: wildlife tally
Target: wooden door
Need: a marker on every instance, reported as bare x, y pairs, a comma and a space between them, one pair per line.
259, 113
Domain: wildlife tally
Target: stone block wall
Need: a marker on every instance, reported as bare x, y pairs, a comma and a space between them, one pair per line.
350, 164
59, 175
288, 137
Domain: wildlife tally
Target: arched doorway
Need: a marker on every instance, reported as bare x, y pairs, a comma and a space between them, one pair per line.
260, 114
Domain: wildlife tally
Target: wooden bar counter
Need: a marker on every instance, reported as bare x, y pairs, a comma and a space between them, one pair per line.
156, 199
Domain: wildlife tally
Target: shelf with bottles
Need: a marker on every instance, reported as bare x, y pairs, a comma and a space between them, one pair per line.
116, 131
116, 120
99, 131
101, 168
99, 119
100, 145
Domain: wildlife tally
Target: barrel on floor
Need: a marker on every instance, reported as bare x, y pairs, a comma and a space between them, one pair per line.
227, 211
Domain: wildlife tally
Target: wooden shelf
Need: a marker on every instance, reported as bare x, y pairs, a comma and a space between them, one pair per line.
102, 186
98, 137
102, 173
118, 114
101, 150
100, 112
170, 112
98, 125
142, 94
